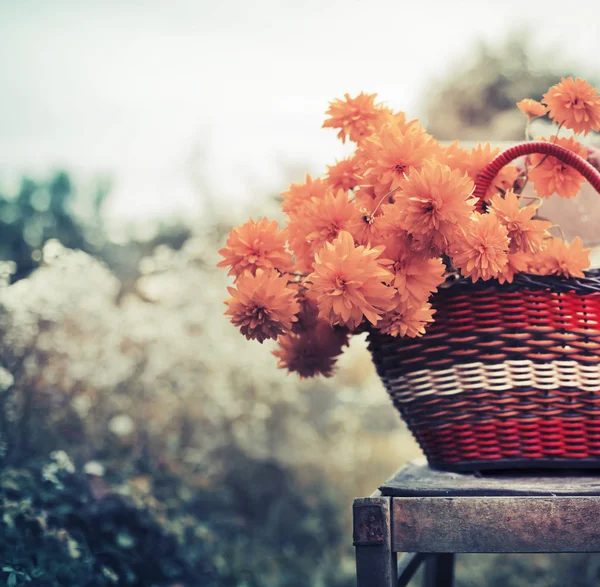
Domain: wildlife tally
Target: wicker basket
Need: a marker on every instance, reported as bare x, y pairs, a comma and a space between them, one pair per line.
508, 376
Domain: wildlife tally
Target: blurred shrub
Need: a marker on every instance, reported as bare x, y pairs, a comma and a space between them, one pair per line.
61, 526
251, 471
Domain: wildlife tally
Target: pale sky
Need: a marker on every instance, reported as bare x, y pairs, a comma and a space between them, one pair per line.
138, 90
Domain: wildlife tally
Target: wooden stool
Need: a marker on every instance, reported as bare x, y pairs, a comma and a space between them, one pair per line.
433, 514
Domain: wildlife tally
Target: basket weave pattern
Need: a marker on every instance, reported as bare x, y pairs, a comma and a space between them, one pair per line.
507, 375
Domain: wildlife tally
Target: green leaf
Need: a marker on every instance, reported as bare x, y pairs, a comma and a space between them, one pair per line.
12, 580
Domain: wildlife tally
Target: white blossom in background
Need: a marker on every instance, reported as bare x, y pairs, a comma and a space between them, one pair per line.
94, 468
60, 462
121, 425
162, 365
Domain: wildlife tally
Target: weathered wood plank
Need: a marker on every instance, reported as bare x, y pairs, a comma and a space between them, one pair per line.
376, 563
496, 524
417, 479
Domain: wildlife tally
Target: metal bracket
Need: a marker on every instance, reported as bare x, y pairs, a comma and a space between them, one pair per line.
369, 525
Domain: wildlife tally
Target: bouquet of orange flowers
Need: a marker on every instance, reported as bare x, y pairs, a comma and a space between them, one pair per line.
367, 245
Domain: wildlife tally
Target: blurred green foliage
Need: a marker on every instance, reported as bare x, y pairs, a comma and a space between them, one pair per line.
53, 209
43, 210
60, 526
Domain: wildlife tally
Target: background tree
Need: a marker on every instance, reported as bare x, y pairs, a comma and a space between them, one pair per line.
44, 210
477, 101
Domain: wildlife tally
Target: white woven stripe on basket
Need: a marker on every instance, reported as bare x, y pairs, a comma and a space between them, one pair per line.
495, 377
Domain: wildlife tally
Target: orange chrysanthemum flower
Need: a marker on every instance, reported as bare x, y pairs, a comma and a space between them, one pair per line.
343, 175
365, 226
433, 203
532, 108
262, 306
311, 352
525, 233
300, 194
562, 259
365, 193
479, 158
328, 217
356, 118
396, 121
517, 263
308, 316
574, 104
319, 222
416, 276
348, 283
391, 224
550, 175
482, 251
406, 320
455, 157
256, 245
365, 198
385, 157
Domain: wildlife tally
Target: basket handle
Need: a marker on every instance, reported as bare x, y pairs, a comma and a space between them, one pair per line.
543, 148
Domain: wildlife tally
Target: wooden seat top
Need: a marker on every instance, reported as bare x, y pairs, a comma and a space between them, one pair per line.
417, 479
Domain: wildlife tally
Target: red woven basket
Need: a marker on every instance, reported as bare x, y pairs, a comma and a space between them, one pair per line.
508, 376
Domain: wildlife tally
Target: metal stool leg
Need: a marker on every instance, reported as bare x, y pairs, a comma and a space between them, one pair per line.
439, 570
376, 564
